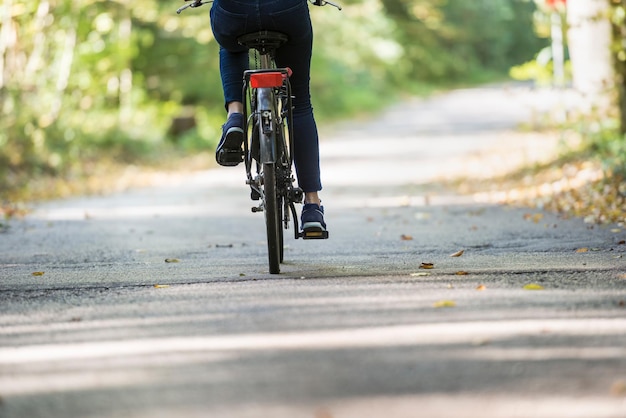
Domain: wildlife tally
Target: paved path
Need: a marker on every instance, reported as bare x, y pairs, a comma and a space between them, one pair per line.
352, 327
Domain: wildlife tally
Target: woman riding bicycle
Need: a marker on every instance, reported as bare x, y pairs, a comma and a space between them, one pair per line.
229, 20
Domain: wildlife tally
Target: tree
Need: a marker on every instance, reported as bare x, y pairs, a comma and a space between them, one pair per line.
589, 38
447, 41
618, 21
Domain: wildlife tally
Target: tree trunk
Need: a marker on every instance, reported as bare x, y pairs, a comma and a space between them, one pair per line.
5, 39
589, 37
619, 60
126, 73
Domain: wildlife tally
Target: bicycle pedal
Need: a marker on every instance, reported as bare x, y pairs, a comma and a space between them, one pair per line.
314, 234
229, 158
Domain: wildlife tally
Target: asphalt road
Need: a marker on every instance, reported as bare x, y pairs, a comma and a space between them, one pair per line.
95, 323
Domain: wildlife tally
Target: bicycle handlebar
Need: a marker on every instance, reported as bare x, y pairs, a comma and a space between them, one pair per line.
198, 3
193, 4
324, 3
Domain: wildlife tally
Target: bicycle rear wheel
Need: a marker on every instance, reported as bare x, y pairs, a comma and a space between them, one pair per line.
272, 209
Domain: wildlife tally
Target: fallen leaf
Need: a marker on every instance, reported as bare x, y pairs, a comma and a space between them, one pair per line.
618, 388
242, 275
404, 237
38, 273
533, 286
622, 276
161, 286
481, 287
582, 250
536, 217
622, 242
420, 274
444, 304
461, 273
427, 266
457, 254
172, 260
616, 230
449, 286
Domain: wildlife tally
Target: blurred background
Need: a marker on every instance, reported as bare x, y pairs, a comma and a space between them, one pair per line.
89, 87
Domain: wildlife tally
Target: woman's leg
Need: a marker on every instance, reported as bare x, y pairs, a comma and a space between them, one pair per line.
296, 54
227, 25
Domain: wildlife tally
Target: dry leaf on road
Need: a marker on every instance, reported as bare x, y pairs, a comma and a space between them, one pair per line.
172, 260
461, 273
427, 266
38, 273
536, 217
444, 304
582, 250
618, 388
420, 274
533, 286
161, 286
405, 237
481, 287
457, 254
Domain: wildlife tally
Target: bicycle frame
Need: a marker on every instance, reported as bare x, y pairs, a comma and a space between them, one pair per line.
268, 92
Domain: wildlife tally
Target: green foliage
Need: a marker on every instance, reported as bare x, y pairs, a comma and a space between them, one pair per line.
540, 69
604, 142
89, 80
451, 40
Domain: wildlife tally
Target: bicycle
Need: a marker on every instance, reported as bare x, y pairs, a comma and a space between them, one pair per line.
269, 140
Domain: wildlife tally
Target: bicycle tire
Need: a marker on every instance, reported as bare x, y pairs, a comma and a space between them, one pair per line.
281, 167
272, 218
281, 238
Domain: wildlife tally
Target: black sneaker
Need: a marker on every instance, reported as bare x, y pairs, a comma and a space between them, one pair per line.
229, 152
312, 219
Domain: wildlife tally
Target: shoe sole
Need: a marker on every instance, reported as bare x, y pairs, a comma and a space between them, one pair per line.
229, 153
313, 227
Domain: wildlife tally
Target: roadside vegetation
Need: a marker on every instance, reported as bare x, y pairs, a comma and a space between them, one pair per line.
587, 180
91, 90
95, 94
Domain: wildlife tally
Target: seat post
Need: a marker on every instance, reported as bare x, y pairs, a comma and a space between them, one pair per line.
266, 61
